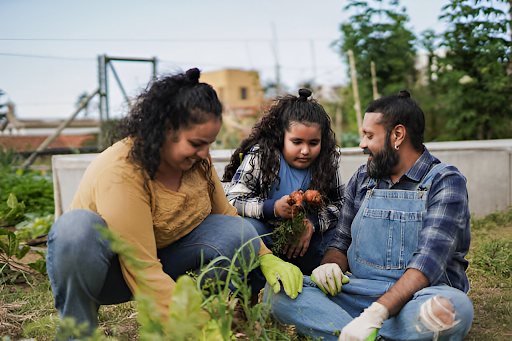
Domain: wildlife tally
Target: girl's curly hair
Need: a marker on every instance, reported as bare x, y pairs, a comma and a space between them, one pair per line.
269, 134
174, 101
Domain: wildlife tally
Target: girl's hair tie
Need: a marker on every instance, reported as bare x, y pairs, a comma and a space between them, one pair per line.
404, 94
304, 93
193, 75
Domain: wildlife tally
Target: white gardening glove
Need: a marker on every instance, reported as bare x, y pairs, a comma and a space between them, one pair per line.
329, 278
365, 324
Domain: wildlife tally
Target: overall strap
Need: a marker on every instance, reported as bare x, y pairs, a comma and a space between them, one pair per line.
372, 184
429, 177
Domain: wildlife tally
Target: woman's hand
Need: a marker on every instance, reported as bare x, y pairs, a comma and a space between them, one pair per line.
277, 270
283, 209
304, 241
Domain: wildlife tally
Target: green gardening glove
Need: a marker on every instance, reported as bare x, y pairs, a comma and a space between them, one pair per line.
275, 269
329, 278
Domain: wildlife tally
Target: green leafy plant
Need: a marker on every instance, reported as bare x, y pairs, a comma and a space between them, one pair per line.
288, 231
10, 256
8, 157
495, 256
34, 226
32, 188
17, 209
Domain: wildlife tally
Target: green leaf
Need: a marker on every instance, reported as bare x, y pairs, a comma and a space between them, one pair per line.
21, 253
186, 318
11, 247
39, 266
211, 331
12, 201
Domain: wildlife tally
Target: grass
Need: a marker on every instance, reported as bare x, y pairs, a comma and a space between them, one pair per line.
26, 309
490, 259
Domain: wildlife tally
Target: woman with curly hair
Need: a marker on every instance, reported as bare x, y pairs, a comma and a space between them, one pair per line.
291, 148
157, 189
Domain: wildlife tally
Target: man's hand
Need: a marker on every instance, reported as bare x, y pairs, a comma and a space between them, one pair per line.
275, 269
304, 241
365, 324
335, 256
329, 278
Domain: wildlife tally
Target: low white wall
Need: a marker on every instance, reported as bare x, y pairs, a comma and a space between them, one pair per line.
487, 165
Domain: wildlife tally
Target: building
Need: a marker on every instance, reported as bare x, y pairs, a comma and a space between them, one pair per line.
241, 95
239, 91
24, 135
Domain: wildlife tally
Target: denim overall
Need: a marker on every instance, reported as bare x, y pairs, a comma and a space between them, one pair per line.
386, 229
385, 234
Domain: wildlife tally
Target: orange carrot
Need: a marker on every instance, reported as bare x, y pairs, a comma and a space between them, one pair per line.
313, 198
295, 200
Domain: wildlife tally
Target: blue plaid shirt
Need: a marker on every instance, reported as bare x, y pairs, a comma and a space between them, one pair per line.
446, 234
245, 194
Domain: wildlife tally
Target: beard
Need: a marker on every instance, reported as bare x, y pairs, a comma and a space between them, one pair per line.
382, 162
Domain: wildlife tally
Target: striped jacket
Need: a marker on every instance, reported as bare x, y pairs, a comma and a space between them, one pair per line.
245, 194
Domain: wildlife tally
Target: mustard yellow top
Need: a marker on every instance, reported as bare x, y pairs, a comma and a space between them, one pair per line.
148, 216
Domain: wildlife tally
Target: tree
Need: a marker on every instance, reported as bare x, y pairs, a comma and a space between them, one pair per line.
427, 90
473, 85
379, 35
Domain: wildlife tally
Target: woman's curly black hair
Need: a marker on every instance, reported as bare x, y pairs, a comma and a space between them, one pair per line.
269, 134
176, 102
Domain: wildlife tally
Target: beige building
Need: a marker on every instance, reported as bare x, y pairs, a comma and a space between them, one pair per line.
239, 91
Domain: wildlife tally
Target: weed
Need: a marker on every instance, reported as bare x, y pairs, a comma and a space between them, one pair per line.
494, 255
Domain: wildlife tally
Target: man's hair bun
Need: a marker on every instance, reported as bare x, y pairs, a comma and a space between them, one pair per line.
304, 93
193, 75
404, 93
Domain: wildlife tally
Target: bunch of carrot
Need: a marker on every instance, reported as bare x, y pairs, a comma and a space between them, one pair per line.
290, 230
311, 197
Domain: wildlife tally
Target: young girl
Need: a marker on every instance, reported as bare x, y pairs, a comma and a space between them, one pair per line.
157, 189
291, 148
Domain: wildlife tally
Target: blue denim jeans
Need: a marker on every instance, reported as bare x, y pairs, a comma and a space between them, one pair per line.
84, 273
319, 315
307, 263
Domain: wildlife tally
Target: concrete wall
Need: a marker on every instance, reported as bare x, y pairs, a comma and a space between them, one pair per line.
487, 166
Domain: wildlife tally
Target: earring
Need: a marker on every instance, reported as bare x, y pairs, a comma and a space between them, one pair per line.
396, 147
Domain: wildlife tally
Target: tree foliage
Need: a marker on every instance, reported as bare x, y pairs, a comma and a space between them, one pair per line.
472, 87
377, 33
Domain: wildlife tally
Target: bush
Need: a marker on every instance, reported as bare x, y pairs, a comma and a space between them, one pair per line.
32, 188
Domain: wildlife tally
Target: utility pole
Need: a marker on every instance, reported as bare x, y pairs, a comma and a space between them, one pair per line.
313, 61
357, 102
278, 75
103, 105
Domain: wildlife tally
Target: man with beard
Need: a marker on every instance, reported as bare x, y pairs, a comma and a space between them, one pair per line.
402, 236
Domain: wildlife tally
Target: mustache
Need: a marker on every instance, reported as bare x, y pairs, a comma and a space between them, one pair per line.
367, 151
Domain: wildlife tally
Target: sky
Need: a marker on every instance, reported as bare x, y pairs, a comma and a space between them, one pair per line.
49, 49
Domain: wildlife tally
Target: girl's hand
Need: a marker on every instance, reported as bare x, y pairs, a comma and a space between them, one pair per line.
283, 209
304, 241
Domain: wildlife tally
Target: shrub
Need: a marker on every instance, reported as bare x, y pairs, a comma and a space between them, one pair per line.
32, 188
